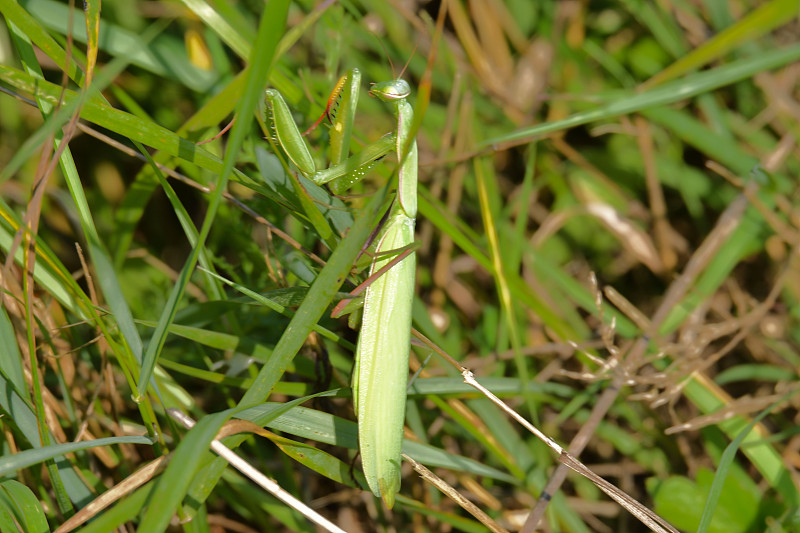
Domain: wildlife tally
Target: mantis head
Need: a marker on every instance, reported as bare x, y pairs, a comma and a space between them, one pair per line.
390, 91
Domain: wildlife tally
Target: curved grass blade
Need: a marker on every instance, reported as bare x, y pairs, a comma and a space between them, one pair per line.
271, 28
666, 94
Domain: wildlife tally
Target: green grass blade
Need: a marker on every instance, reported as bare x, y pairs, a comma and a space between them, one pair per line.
661, 23
165, 55
762, 20
19, 501
326, 428
282, 309
320, 294
174, 482
436, 214
238, 35
29, 27
124, 124
11, 362
24, 418
725, 463
763, 455
272, 24
666, 94
26, 458
128, 509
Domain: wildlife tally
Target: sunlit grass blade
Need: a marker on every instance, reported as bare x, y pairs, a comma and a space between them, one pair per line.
24, 459
326, 428
19, 506
272, 24
762, 20
317, 300
174, 482
165, 55
665, 94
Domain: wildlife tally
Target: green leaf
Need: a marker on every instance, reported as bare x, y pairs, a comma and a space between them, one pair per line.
665, 94
680, 501
174, 482
319, 461
165, 56
18, 503
329, 429
26, 458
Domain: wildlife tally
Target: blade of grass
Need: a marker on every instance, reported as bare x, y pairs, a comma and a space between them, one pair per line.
11, 363
622, 104
484, 176
19, 501
725, 463
277, 307
128, 509
437, 215
319, 296
174, 482
270, 29
24, 24
107, 279
165, 56
238, 35
260, 479
762, 20
103, 115
20, 411
326, 428
26, 458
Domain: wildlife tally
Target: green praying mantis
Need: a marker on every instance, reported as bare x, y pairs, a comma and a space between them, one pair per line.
381, 365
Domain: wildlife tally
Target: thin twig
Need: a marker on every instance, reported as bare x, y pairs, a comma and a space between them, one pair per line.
454, 495
645, 515
260, 479
727, 223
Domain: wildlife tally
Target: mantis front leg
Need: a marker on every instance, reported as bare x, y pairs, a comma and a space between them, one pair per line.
344, 171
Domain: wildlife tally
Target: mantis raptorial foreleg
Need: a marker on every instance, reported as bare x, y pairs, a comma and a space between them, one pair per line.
344, 170
381, 366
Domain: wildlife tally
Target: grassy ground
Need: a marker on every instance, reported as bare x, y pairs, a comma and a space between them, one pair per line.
607, 238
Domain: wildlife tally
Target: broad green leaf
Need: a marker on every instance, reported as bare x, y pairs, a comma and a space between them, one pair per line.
19, 502
329, 429
26, 458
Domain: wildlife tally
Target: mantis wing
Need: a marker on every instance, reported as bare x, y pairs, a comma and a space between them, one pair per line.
381, 374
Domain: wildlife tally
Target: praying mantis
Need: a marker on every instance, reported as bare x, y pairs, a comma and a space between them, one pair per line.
380, 373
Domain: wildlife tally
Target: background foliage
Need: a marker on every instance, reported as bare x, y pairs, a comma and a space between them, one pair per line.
608, 239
